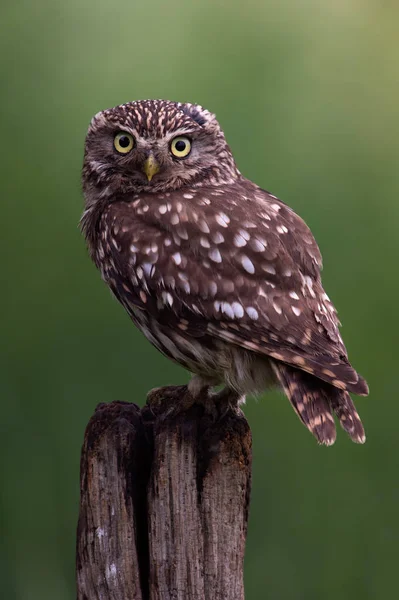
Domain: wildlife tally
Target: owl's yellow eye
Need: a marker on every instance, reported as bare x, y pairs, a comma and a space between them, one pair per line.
180, 146
123, 142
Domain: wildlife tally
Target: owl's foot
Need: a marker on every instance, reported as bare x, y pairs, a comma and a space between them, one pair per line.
225, 400
216, 404
170, 401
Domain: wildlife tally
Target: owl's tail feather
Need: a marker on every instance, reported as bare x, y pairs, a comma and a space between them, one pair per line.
314, 401
343, 406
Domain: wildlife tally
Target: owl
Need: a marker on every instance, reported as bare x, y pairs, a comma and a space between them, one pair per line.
220, 275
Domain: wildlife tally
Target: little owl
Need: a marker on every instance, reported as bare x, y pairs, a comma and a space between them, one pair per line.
221, 276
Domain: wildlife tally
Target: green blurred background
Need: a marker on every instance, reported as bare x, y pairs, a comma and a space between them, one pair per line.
307, 93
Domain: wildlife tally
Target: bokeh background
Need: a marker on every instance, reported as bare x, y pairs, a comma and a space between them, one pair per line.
307, 93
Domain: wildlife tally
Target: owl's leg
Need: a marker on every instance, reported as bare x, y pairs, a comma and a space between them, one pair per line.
228, 396
176, 399
225, 400
216, 404
199, 386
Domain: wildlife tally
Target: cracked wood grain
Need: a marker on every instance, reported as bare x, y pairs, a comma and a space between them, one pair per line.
164, 501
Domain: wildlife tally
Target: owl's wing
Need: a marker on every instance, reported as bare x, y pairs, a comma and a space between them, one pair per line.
234, 263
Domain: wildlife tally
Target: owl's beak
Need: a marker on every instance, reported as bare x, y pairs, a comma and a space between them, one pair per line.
150, 167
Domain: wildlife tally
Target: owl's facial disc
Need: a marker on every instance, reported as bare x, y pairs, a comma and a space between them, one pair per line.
155, 146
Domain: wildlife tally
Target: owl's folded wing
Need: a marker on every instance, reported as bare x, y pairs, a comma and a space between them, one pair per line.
250, 276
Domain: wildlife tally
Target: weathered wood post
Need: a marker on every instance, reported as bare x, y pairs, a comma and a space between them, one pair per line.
164, 501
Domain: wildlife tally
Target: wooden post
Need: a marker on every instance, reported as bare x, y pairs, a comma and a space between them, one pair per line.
164, 501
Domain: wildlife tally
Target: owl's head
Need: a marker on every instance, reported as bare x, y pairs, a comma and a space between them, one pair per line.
154, 146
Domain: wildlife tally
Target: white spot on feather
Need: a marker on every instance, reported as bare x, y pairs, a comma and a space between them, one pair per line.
258, 245
148, 269
174, 219
186, 286
218, 238
182, 232
239, 241
177, 258
238, 309
203, 225
309, 285
294, 295
269, 269
250, 224
252, 313
282, 229
167, 298
296, 310
213, 288
227, 310
244, 233
215, 255
248, 264
222, 219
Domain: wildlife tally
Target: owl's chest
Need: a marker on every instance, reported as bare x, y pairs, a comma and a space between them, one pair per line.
128, 258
